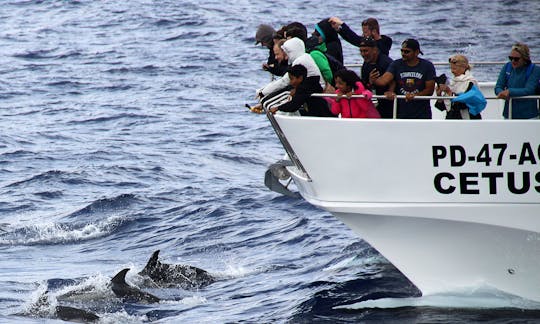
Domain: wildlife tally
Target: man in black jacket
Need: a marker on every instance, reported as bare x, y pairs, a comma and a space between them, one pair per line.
375, 64
370, 28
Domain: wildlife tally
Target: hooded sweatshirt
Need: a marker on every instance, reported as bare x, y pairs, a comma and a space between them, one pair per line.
296, 51
331, 39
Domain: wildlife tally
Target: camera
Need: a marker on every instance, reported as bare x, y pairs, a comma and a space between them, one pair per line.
441, 79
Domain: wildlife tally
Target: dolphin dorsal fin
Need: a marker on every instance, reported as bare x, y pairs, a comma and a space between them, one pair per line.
154, 257
120, 277
152, 262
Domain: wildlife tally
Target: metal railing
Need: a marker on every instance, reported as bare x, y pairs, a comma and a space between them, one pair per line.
286, 145
501, 63
396, 97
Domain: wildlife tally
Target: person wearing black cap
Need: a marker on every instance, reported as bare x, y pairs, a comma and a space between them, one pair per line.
375, 64
265, 36
414, 76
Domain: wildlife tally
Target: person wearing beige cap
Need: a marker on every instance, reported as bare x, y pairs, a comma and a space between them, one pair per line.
519, 77
265, 36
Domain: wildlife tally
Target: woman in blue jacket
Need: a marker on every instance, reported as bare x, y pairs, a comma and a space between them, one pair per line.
519, 77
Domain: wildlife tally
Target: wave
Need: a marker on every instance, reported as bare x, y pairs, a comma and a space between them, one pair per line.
110, 118
17, 153
188, 36
35, 55
49, 194
58, 233
66, 84
50, 176
106, 205
147, 69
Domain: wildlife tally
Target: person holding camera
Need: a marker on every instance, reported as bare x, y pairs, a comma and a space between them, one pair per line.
375, 64
461, 82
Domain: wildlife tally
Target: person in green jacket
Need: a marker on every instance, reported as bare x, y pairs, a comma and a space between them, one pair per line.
316, 51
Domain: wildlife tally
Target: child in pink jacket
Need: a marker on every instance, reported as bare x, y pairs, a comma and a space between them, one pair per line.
348, 83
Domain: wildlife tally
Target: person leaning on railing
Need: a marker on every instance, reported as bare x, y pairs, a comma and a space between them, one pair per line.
265, 36
414, 76
301, 99
519, 77
375, 64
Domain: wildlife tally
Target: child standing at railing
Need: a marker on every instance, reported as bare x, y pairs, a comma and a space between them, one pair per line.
348, 83
302, 89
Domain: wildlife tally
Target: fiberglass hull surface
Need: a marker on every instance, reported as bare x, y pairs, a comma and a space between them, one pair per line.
439, 256
450, 203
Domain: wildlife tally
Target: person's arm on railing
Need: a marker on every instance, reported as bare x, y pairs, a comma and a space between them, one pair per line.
387, 79
428, 91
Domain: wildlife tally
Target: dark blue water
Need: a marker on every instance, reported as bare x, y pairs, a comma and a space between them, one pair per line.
122, 131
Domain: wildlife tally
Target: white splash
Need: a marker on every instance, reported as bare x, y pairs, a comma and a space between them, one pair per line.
480, 297
57, 233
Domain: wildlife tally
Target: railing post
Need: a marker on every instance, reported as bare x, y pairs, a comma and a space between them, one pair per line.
509, 108
394, 109
285, 143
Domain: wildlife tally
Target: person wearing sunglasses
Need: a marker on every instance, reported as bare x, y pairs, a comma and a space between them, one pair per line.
375, 64
413, 76
519, 77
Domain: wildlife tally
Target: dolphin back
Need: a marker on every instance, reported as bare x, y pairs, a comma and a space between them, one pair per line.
67, 313
129, 293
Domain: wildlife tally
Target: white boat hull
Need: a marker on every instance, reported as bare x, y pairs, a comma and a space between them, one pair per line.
440, 256
451, 204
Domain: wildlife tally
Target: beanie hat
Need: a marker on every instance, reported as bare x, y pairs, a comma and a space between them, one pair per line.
265, 34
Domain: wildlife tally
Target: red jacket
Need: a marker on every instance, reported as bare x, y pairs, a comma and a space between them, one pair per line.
354, 107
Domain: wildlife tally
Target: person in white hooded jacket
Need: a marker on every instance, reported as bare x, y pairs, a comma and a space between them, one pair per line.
462, 82
295, 50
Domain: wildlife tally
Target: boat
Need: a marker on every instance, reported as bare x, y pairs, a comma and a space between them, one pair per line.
451, 203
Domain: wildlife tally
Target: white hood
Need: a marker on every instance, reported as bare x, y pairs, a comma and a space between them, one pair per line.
296, 51
294, 47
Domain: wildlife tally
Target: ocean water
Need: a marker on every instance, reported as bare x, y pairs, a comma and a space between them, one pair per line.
123, 131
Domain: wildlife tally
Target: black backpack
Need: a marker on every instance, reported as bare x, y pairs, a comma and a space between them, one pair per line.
335, 65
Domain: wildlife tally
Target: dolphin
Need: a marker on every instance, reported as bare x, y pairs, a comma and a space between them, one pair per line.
129, 293
72, 314
173, 275
65, 313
